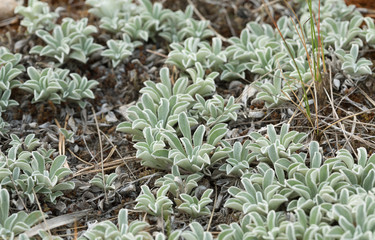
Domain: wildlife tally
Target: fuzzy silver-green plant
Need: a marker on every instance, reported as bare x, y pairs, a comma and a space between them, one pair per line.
7, 57
342, 34
261, 194
159, 206
68, 134
187, 54
328, 9
216, 109
179, 184
109, 8
5, 102
174, 25
160, 105
126, 230
197, 29
358, 172
10, 69
299, 67
369, 32
33, 170
238, 161
192, 51
135, 30
253, 37
216, 57
17, 223
190, 152
29, 143
233, 70
113, 14
154, 16
265, 61
355, 219
151, 149
254, 226
45, 84
8, 73
275, 92
196, 207
3, 126
119, 50
76, 88
201, 83
55, 85
37, 16
353, 66
257, 49
197, 233
275, 146
175, 235
106, 183
148, 114
70, 40
277, 150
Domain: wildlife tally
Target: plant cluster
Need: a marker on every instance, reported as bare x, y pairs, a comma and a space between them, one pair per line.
10, 69
144, 21
289, 190
165, 115
148, 20
13, 225
258, 51
106, 183
70, 40
55, 85
29, 170
126, 230
37, 16
52, 84
119, 50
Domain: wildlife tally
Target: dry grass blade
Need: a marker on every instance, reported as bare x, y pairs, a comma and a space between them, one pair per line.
119, 154
80, 159
106, 166
41, 211
57, 222
307, 107
213, 210
349, 116
62, 140
157, 53
101, 151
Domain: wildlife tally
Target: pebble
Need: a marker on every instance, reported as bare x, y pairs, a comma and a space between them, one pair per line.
256, 114
336, 83
7, 8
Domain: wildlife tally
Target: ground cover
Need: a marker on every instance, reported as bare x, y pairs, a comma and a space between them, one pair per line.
187, 120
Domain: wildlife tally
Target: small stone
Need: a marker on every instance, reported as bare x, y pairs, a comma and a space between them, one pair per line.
111, 117
7, 8
336, 83
33, 124
256, 114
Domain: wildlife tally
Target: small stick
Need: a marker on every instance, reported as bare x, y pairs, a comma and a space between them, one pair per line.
213, 210
101, 152
157, 53
41, 210
117, 151
80, 159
